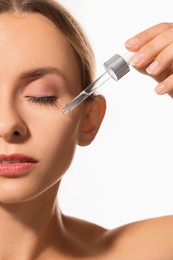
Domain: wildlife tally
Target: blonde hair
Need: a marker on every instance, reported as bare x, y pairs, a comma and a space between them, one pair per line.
66, 23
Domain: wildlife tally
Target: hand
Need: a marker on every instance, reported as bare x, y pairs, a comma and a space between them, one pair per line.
154, 55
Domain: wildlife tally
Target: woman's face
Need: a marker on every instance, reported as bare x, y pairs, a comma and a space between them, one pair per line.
39, 74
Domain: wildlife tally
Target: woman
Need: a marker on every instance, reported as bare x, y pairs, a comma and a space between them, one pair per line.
46, 60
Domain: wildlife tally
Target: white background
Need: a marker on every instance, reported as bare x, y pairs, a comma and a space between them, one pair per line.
126, 173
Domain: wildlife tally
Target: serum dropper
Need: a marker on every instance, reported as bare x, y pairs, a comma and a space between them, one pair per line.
116, 67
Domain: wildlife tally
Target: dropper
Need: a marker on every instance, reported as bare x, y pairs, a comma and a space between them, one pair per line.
116, 67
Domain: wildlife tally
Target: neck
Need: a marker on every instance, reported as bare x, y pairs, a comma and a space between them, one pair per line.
28, 226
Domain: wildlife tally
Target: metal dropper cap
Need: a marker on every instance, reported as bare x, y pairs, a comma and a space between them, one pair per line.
117, 67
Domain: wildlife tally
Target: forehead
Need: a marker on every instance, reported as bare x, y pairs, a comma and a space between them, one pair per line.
29, 40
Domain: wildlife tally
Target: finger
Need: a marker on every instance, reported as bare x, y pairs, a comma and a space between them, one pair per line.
136, 42
161, 62
165, 86
151, 50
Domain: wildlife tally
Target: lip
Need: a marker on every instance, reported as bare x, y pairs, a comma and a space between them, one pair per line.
15, 165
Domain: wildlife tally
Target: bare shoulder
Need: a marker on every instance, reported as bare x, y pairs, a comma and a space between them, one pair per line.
150, 239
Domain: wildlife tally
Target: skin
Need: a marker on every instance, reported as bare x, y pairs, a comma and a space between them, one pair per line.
32, 225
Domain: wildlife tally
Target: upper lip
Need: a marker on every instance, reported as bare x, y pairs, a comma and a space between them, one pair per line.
17, 157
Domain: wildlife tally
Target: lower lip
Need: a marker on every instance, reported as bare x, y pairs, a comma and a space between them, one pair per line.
16, 169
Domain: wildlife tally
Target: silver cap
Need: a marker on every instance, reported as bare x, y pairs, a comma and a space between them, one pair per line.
117, 67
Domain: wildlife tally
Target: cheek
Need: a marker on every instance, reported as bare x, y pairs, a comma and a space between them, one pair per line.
55, 140
57, 130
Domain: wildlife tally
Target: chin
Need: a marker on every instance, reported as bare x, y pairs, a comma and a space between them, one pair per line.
13, 192
15, 197
24, 190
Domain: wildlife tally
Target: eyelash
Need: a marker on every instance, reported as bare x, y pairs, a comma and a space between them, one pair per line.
47, 100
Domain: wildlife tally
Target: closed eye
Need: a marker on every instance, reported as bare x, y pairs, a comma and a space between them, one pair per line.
45, 100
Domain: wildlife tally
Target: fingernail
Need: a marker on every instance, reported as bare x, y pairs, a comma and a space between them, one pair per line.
152, 68
136, 59
131, 43
160, 89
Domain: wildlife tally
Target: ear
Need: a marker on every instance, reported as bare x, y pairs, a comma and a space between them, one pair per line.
93, 118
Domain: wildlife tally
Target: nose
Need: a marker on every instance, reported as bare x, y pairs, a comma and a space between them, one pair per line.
12, 125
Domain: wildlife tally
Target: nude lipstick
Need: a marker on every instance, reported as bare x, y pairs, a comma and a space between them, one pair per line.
15, 165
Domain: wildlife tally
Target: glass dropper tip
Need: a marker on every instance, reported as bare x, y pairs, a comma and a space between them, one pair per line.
65, 109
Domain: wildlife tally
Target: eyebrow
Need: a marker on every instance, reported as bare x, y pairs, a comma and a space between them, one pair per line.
40, 72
